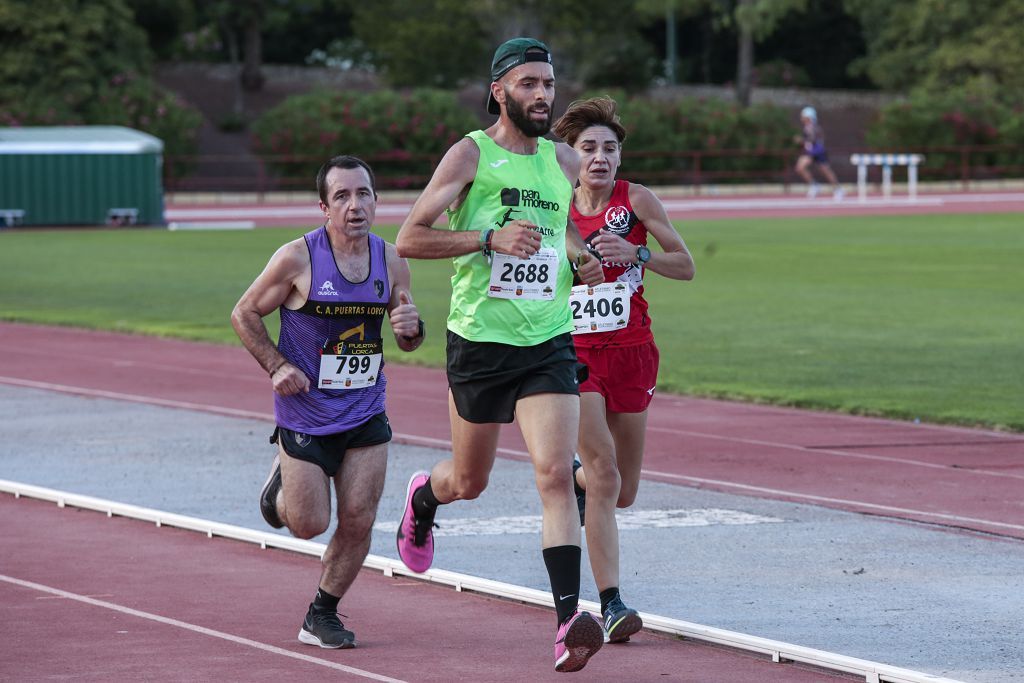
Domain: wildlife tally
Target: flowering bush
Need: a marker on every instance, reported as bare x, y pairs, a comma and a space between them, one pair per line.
401, 135
142, 104
779, 73
126, 100
657, 131
948, 120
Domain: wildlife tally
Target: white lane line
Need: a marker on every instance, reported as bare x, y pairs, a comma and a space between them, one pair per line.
306, 213
683, 402
135, 398
254, 379
444, 443
835, 452
778, 651
211, 225
195, 628
733, 204
520, 455
631, 520
836, 501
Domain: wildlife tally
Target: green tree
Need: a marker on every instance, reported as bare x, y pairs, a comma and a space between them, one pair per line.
935, 45
164, 21
84, 62
439, 43
599, 46
753, 21
756, 20
61, 56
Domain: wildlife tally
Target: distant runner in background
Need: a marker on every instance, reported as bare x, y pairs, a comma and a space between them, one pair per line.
813, 154
333, 288
613, 338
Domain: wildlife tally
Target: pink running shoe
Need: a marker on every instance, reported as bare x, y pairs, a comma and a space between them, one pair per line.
415, 537
579, 638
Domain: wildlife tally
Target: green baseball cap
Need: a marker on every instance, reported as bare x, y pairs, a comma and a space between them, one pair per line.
511, 54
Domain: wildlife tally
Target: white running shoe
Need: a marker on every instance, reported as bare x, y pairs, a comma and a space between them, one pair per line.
838, 194
812, 191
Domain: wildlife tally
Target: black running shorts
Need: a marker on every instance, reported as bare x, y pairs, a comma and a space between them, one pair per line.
487, 378
328, 450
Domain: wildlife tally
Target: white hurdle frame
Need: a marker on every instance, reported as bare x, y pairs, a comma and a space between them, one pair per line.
886, 161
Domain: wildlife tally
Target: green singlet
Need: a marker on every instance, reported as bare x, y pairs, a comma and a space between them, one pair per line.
509, 187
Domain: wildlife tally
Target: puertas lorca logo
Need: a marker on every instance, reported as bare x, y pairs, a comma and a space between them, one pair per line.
327, 289
378, 286
617, 220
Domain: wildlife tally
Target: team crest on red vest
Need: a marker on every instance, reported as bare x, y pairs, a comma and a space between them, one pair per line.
617, 219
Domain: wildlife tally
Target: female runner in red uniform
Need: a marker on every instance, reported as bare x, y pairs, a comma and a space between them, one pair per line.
615, 218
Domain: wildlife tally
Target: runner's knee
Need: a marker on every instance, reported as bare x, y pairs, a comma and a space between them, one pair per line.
627, 494
355, 522
603, 478
469, 487
306, 528
553, 477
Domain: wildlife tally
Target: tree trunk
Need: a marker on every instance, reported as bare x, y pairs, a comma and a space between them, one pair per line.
744, 62
670, 44
252, 72
707, 46
238, 99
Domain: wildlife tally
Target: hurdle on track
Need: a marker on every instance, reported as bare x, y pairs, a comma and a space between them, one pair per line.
886, 161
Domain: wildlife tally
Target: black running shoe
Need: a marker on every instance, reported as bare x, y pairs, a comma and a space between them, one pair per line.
620, 622
268, 496
581, 494
324, 629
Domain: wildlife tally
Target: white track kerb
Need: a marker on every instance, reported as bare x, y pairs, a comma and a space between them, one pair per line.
873, 672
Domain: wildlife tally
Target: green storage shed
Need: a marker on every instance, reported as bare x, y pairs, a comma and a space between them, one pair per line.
80, 175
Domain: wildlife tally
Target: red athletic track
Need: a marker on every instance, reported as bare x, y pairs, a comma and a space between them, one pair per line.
114, 600
951, 476
393, 210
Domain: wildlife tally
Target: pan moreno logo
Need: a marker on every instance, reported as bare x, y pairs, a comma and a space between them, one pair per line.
513, 196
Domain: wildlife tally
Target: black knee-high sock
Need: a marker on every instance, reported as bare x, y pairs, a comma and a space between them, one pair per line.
563, 563
424, 503
325, 602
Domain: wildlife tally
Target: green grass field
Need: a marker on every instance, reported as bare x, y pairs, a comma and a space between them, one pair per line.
909, 317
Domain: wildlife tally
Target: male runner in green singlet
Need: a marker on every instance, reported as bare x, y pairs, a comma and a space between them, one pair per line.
510, 355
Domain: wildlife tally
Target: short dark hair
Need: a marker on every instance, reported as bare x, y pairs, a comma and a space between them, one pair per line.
582, 114
343, 161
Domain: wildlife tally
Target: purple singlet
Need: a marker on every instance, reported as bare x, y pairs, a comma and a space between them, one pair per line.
338, 315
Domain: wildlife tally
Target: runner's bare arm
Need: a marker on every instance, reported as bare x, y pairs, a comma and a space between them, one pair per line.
405, 317
417, 237
676, 262
588, 268
273, 287
447, 188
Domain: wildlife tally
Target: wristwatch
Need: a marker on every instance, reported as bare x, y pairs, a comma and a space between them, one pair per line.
643, 255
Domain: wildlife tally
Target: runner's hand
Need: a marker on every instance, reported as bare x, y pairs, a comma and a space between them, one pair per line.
614, 249
590, 271
289, 380
405, 317
518, 238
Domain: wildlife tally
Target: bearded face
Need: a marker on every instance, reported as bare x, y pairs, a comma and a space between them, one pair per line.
533, 120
